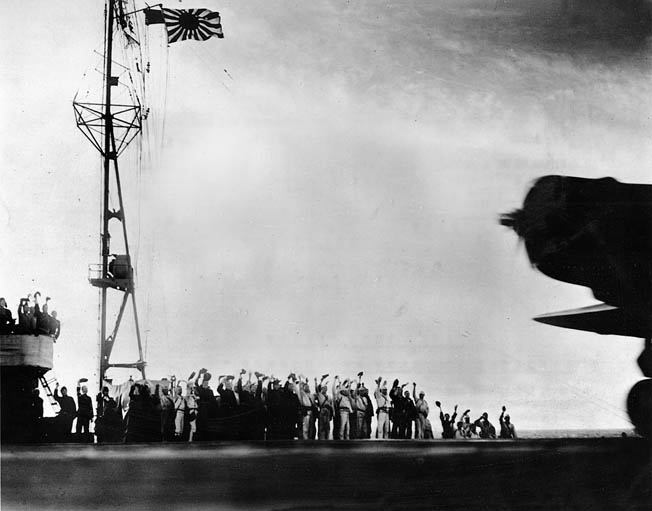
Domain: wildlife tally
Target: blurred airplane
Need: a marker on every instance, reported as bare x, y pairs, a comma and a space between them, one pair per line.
596, 233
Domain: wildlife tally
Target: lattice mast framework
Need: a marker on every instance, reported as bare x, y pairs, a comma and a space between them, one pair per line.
99, 122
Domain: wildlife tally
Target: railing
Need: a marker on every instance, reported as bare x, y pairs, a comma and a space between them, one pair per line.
95, 272
120, 275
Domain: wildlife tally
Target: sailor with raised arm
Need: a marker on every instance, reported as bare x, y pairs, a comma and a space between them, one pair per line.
336, 408
179, 411
507, 430
325, 405
383, 406
485, 428
307, 404
68, 410
192, 410
447, 422
465, 428
422, 411
345, 406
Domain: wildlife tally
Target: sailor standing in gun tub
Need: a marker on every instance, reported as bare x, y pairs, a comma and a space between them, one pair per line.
447, 422
507, 430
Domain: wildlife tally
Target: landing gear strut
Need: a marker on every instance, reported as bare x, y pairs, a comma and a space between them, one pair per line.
639, 400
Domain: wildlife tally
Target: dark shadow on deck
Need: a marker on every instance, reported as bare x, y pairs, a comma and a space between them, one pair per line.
607, 473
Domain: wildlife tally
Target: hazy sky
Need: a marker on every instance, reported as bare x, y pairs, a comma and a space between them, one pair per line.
319, 192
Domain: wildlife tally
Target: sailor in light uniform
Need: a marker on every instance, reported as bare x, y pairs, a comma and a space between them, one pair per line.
307, 405
422, 410
191, 408
383, 405
343, 396
180, 411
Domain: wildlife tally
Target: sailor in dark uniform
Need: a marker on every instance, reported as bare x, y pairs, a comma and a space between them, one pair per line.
409, 415
485, 428
325, 406
447, 422
228, 407
167, 414
101, 402
68, 410
6, 319
396, 396
206, 404
85, 413
274, 409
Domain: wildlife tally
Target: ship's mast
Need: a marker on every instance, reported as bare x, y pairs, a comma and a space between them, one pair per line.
106, 157
110, 127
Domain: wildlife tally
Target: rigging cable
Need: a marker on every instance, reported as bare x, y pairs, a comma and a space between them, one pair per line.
210, 67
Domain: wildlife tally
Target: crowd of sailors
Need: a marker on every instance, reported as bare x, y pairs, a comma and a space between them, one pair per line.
34, 317
265, 408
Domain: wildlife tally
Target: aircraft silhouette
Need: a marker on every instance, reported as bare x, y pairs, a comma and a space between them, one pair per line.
596, 233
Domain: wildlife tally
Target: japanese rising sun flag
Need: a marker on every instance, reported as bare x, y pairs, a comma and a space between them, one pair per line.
182, 24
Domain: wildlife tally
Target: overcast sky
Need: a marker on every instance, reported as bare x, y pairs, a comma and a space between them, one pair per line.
319, 192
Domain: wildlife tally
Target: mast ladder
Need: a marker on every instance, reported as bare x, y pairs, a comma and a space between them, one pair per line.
46, 384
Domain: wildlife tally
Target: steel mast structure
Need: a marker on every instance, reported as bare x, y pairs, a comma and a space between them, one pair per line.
110, 128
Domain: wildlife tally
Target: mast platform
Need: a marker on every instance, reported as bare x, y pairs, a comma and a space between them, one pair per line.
120, 274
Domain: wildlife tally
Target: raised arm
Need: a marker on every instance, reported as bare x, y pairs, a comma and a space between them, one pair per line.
220, 386
336, 387
259, 387
441, 413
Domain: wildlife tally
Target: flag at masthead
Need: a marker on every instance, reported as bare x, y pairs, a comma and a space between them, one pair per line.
182, 24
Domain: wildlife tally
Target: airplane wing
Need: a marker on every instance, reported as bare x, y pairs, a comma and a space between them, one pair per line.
602, 319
